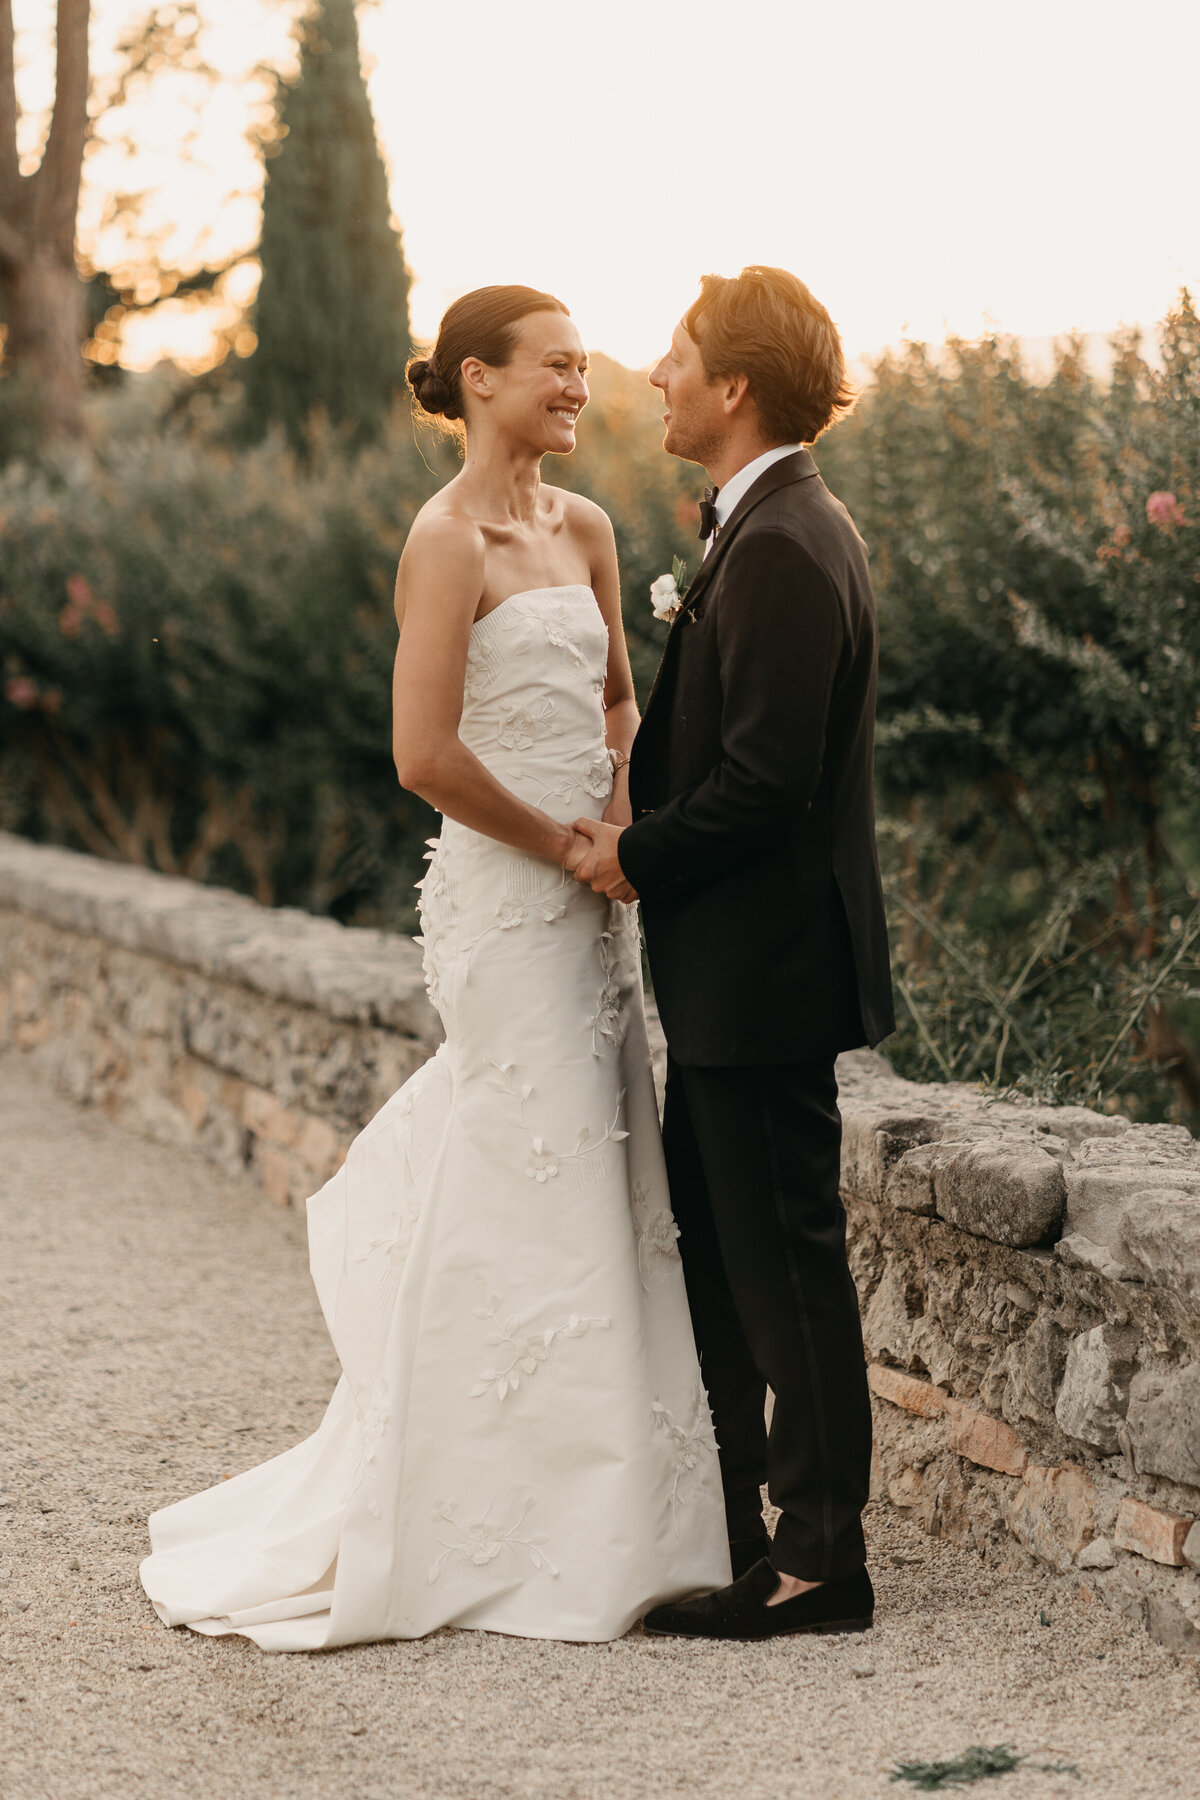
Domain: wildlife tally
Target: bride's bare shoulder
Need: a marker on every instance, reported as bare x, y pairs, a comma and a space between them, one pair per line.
444, 551
580, 516
441, 522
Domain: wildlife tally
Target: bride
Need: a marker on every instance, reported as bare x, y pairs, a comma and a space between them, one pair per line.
519, 1441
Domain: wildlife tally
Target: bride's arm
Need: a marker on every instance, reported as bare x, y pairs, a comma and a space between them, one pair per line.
620, 706
437, 591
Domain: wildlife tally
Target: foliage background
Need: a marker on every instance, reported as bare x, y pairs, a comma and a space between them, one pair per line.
1037, 554
197, 636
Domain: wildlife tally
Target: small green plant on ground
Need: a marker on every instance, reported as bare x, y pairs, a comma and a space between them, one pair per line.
976, 1763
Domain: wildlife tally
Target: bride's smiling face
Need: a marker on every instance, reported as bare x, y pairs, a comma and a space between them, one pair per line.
536, 397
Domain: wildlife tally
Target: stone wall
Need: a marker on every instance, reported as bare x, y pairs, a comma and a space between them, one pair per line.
1030, 1280
265, 1037
1030, 1276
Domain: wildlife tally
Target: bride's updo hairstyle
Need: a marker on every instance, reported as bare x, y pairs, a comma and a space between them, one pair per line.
482, 324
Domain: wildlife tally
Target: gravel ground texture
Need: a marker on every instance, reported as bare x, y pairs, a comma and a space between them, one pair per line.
158, 1331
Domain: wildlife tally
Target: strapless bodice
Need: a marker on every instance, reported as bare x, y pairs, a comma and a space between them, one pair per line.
533, 699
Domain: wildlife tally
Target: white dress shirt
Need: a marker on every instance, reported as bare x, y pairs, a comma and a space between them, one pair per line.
729, 495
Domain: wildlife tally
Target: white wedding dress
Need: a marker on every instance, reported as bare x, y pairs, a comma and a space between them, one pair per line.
519, 1441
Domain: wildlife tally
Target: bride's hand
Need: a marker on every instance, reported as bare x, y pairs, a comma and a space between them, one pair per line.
600, 869
576, 851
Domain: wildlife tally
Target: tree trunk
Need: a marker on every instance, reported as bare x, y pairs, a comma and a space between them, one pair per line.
39, 283
44, 315
1168, 1050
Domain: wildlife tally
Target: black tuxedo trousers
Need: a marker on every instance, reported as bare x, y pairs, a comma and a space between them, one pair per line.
753, 1155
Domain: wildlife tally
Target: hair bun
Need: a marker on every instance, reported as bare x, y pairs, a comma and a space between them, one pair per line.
431, 391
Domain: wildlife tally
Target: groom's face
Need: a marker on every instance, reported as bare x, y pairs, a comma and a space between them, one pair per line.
694, 416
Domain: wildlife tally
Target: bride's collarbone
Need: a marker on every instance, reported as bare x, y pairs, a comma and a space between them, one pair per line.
529, 535
530, 557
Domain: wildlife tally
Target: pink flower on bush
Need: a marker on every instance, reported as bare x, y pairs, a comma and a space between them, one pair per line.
20, 691
83, 604
1115, 546
1164, 510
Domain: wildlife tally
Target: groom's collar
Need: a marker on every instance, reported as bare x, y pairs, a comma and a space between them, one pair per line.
788, 469
731, 491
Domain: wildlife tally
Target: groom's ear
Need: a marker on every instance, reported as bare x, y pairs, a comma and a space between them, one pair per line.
734, 391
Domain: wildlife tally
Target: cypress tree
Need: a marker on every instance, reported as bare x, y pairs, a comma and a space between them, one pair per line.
332, 310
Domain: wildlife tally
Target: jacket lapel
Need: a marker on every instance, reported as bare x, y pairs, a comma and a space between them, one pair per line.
780, 474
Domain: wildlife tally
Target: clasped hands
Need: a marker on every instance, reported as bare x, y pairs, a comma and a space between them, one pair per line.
592, 859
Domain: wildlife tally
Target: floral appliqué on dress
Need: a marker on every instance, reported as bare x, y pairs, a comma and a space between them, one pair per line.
693, 1443
527, 1356
371, 1420
605, 1019
548, 906
557, 620
596, 781
438, 907
394, 1248
544, 1163
657, 1237
485, 660
521, 727
480, 1541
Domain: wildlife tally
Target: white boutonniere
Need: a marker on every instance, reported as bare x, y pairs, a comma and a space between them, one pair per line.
666, 594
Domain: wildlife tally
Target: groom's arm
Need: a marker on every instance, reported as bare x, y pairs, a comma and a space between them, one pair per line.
780, 635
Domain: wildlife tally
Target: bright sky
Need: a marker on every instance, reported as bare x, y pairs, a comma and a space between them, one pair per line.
929, 167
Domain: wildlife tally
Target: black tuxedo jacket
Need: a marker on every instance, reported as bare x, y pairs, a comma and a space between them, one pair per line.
753, 838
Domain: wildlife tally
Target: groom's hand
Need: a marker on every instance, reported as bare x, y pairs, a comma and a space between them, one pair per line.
600, 869
577, 848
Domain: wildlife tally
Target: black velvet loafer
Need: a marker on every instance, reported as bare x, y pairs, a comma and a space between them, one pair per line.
745, 1552
741, 1610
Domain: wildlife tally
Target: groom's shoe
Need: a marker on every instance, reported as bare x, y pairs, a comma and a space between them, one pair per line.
741, 1610
745, 1552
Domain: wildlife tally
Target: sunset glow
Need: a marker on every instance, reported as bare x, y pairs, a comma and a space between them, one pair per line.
925, 169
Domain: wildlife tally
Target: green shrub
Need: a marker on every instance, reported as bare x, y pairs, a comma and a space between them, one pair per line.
1037, 551
197, 651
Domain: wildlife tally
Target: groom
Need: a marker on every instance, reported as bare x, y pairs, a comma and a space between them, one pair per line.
752, 849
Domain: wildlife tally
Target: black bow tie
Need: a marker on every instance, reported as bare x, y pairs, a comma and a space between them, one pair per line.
708, 513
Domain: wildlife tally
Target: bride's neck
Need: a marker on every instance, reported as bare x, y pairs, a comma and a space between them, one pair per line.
503, 481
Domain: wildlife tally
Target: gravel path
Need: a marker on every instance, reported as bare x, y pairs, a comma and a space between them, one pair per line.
158, 1331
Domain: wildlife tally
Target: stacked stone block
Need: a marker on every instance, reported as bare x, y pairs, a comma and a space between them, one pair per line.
1030, 1279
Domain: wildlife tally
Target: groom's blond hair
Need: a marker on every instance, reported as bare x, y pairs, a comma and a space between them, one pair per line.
765, 324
